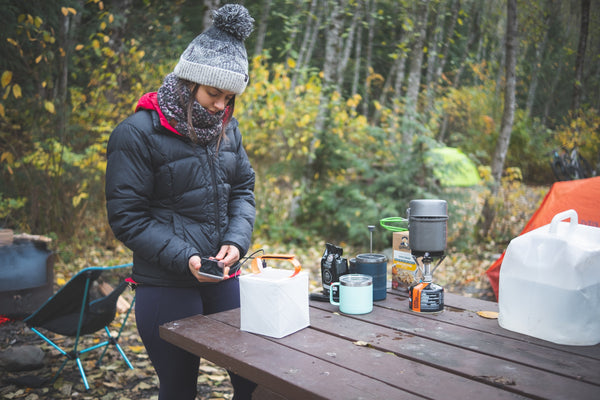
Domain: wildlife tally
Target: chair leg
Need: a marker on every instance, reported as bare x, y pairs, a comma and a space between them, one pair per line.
50, 342
115, 339
82, 372
118, 346
59, 370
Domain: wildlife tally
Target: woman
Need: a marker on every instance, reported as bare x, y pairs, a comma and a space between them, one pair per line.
179, 187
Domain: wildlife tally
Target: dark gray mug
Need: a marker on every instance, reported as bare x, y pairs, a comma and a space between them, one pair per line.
374, 265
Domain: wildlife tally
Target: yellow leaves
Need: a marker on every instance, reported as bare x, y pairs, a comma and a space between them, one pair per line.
95, 44
16, 89
79, 47
291, 63
68, 10
12, 41
2, 112
6, 78
7, 157
49, 106
137, 349
513, 174
489, 124
354, 101
77, 199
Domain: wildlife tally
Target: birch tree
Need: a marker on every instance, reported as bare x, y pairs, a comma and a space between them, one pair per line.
261, 30
583, 33
414, 75
488, 212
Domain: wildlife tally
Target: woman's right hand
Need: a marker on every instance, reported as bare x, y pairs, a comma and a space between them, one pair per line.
195, 263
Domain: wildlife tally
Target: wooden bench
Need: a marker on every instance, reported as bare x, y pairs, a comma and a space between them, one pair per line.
393, 353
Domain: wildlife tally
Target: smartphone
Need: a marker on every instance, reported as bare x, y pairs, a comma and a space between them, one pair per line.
211, 268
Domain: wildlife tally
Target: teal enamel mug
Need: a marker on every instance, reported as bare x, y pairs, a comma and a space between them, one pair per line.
356, 294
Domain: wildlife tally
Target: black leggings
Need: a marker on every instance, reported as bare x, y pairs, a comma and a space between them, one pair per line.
177, 369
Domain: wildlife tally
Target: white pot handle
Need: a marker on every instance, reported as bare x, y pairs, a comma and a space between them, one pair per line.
569, 214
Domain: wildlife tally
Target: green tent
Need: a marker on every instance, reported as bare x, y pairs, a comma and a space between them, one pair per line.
452, 167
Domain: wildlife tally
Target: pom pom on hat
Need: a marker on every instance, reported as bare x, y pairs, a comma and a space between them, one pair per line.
217, 57
235, 20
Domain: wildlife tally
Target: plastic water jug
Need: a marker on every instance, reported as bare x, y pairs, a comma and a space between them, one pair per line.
550, 283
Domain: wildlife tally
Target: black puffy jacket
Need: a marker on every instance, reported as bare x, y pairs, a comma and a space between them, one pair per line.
168, 199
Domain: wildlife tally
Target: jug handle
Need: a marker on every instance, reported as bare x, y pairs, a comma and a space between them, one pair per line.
258, 263
569, 214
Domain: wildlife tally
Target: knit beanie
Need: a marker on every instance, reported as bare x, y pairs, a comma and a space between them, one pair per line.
217, 57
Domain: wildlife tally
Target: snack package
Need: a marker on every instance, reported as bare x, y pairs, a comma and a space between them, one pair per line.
403, 263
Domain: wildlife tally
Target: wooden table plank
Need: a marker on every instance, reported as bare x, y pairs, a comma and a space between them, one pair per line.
541, 357
284, 368
434, 345
462, 311
405, 374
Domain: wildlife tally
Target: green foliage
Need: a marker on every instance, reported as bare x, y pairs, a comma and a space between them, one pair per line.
530, 147
54, 152
358, 173
581, 130
473, 114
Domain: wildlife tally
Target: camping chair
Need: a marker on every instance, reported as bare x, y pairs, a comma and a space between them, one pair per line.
73, 312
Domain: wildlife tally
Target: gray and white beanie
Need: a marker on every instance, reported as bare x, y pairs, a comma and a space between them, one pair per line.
217, 57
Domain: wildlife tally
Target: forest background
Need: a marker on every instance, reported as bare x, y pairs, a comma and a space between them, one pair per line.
345, 101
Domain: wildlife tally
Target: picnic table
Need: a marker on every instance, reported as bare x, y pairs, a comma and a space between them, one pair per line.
394, 353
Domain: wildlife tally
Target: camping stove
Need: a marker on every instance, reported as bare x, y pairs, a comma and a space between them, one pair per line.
427, 222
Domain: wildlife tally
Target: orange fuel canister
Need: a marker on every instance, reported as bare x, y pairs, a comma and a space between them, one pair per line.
426, 297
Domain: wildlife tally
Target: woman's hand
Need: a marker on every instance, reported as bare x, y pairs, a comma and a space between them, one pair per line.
194, 265
229, 255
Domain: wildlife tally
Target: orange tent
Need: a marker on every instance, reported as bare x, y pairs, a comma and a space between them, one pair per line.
582, 195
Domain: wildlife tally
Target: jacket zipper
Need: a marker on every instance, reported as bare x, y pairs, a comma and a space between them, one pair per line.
213, 174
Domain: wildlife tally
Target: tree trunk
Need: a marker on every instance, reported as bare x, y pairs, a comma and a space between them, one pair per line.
474, 35
370, 9
414, 75
357, 56
332, 54
488, 212
446, 44
348, 45
583, 34
209, 6
440, 68
432, 57
539, 55
262, 27
399, 59
311, 30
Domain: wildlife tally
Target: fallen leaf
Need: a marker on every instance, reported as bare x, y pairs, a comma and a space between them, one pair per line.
361, 343
488, 314
137, 349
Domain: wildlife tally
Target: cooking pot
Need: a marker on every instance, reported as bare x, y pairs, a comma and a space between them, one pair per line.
427, 224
